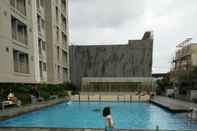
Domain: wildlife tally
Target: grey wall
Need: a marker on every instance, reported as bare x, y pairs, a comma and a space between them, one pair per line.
131, 60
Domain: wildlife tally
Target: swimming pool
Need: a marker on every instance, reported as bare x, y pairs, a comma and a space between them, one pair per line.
89, 115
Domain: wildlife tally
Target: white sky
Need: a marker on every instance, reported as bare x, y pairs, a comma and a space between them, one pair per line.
117, 21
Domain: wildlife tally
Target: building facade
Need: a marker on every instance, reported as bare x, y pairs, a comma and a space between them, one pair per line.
186, 57
29, 38
112, 65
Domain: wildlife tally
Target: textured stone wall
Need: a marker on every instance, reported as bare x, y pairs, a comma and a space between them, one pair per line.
131, 60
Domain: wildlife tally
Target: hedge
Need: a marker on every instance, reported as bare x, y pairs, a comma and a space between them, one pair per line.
23, 91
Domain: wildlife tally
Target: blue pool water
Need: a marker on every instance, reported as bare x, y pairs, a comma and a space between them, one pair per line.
89, 115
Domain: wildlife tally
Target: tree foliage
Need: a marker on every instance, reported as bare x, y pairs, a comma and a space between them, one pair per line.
164, 84
23, 91
186, 80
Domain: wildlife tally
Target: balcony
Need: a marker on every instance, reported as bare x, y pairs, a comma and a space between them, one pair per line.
42, 49
41, 26
63, 7
64, 58
64, 41
40, 7
64, 24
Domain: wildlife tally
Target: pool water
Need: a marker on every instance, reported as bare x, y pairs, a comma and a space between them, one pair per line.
89, 115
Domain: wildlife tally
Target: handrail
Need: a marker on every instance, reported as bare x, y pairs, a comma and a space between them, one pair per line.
117, 98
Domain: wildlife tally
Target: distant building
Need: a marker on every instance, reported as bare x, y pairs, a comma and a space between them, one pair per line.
34, 41
186, 57
184, 61
159, 75
112, 67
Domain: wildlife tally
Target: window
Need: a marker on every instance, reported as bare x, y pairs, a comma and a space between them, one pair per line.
43, 45
58, 52
13, 3
42, 24
63, 23
64, 5
64, 39
41, 73
44, 67
65, 74
19, 31
42, 3
57, 34
38, 4
21, 6
64, 58
40, 46
21, 62
14, 28
58, 72
39, 23
57, 14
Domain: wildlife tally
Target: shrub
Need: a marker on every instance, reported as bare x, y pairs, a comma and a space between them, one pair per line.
23, 91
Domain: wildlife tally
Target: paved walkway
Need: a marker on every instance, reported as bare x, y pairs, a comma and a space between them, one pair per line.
174, 104
15, 111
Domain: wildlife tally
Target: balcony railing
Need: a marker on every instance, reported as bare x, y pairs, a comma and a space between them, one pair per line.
20, 5
22, 38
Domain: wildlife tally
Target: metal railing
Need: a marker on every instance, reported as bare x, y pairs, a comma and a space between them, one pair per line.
114, 98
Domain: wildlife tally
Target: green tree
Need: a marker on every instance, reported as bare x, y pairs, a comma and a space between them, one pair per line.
187, 80
164, 84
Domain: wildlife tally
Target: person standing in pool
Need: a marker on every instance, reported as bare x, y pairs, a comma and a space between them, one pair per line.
108, 119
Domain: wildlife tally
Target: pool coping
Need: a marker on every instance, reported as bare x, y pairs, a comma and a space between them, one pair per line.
17, 111
62, 100
80, 129
174, 108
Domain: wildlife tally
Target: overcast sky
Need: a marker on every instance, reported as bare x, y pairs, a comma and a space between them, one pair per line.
116, 21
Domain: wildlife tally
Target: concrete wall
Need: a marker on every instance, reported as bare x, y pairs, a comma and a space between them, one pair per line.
131, 60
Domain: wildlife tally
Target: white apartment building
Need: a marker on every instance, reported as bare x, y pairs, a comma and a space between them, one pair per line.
34, 40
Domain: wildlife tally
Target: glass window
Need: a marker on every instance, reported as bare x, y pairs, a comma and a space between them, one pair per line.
19, 31
42, 3
21, 6
57, 34
44, 67
58, 52
21, 62
57, 14
43, 45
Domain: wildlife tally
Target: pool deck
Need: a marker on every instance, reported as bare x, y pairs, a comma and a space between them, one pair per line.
78, 129
15, 111
173, 105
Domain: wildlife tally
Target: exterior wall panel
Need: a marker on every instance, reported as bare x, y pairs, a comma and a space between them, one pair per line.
131, 60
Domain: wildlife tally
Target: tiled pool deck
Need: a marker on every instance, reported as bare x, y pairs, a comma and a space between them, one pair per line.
173, 105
